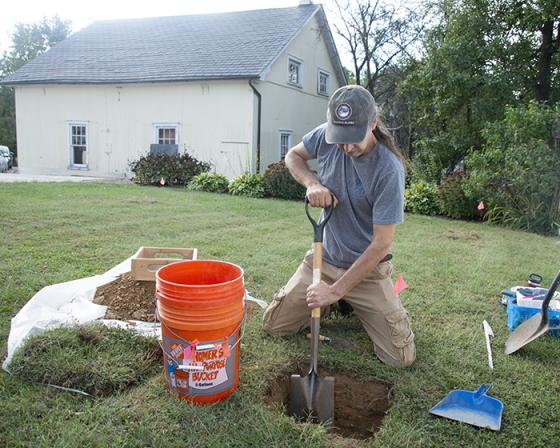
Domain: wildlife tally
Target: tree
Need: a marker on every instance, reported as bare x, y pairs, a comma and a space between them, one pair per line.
28, 41
481, 56
535, 27
376, 34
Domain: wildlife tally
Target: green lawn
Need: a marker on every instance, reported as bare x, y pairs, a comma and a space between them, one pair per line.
58, 232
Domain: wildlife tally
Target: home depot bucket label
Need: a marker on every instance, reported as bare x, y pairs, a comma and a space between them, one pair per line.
214, 362
218, 373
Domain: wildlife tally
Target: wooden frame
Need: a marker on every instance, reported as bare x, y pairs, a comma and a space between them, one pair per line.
147, 260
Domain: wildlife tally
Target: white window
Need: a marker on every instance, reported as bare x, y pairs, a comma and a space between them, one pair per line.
166, 134
78, 137
323, 82
295, 71
285, 143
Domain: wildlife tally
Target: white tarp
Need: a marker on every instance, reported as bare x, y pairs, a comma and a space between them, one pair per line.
69, 304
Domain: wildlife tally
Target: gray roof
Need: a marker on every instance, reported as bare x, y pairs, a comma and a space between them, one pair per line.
181, 48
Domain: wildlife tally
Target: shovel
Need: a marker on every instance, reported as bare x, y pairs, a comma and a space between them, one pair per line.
312, 396
475, 408
534, 327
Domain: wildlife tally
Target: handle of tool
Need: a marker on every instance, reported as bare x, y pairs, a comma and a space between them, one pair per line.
319, 227
489, 348
548, 297
317, 269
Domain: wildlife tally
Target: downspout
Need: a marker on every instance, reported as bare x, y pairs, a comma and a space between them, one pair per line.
258, 126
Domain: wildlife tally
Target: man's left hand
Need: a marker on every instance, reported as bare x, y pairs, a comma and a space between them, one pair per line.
320, 295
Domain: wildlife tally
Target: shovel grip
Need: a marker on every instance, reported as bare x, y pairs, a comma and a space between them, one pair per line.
549, 295
319, 227
317, 269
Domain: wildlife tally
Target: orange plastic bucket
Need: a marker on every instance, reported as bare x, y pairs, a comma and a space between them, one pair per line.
201, 310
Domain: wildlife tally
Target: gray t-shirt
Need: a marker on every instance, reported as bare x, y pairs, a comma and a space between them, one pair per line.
369, 189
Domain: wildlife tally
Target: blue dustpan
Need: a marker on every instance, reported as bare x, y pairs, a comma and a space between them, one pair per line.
475, 408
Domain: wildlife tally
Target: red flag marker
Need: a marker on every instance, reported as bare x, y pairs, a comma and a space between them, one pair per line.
162, 181
400, 285
481, 205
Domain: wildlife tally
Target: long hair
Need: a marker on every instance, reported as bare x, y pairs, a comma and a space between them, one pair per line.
383, 135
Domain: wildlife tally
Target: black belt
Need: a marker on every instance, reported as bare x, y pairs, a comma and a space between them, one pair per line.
387, 257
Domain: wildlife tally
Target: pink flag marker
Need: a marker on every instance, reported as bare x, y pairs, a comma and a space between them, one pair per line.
190, 350
481, 205
187, 354
400, 285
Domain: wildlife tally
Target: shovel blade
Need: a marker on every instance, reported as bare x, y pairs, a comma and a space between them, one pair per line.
527, 332
312, 397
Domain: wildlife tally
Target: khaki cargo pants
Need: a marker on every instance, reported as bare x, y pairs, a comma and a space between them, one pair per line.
380, 311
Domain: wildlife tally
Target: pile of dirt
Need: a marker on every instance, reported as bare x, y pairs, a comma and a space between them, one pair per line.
359, 406
461, 235
128, 298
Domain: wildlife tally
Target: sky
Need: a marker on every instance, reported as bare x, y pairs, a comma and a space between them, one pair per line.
82, 14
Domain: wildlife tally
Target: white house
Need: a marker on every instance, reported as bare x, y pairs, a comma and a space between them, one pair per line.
234, 89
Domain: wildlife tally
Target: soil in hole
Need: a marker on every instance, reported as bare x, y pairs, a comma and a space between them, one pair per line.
128, 298
359, 406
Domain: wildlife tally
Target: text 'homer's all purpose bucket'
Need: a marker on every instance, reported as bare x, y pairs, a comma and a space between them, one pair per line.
201, 309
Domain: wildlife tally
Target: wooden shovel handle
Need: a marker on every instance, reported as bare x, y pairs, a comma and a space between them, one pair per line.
317, 270
318, 228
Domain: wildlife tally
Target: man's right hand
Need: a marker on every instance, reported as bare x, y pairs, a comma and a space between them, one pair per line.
317, 194
320, 196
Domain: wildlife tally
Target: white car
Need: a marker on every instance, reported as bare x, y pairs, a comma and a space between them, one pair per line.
8, 155
3, 164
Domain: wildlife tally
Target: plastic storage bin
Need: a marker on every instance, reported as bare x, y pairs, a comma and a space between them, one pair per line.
518, 314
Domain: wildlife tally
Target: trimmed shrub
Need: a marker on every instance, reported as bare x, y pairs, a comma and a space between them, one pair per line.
516, 171
210, 182
279, 183
250, 185
421, 198
176, 170
452, 199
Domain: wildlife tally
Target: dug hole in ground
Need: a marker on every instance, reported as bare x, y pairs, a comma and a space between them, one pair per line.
359, 405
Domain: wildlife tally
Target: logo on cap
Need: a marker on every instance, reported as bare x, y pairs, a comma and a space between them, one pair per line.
343, 111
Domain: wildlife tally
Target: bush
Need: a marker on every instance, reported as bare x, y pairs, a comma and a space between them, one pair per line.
421, 198
452, 199
210, 182
250, 185
177, 169
279, 183
433, 155
516, 171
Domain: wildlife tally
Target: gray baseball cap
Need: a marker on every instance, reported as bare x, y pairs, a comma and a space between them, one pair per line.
349, 112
